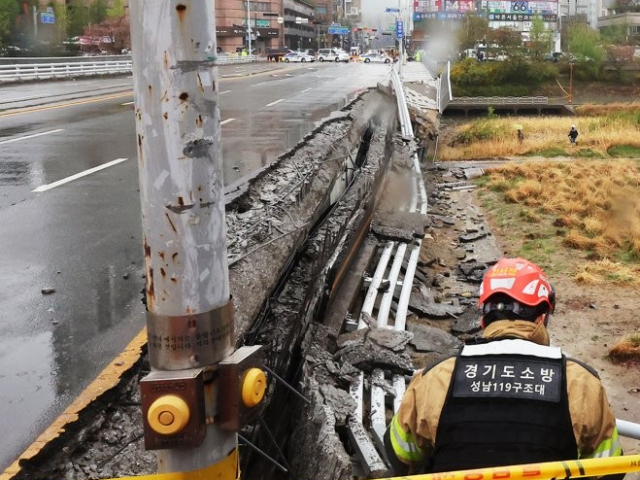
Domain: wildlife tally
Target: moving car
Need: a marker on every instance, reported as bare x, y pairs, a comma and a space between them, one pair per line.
298, 57
375, 58
333, 55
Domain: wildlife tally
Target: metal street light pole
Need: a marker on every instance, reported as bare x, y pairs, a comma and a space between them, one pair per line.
183, 222
401, 42
249, 29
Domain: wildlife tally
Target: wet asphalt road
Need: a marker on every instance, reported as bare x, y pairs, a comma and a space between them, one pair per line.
81, 236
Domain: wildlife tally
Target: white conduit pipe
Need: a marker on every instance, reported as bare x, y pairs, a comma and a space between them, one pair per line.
399, 386
372, 293
407, 285
628, 429
378, 420
356, 390
423, 190
414, 193
387, 297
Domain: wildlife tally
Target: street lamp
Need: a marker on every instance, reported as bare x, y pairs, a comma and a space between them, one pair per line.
249, 25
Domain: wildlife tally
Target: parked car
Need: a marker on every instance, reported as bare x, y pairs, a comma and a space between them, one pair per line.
375, 58
298, 57
553, 57
277, 54
332, 55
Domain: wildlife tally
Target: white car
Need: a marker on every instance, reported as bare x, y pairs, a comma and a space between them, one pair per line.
333, 55
298, 57
375, 58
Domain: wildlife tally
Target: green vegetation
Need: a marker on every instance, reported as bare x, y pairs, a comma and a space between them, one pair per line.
514, 76
624, 151
9, 10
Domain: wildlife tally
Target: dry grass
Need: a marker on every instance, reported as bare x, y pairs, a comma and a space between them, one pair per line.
627, 350
595, 204
601, 128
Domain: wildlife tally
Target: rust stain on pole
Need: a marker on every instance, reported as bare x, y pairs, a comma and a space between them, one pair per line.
184, 96
181, 11
151, 289
200, 83
174, 256
173, 227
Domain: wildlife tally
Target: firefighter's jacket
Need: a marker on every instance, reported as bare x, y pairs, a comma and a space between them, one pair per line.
517, 379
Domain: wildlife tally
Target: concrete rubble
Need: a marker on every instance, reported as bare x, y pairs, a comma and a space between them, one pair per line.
299, 260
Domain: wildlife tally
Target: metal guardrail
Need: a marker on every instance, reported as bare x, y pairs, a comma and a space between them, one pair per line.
75, 68
500, 101
36, 71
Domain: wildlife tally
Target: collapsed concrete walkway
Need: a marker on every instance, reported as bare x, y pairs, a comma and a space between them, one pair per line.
321, 248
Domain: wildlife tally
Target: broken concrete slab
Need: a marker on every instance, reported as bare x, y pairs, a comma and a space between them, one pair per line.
369, 355
340, 402
428, 308
467, 323
472, 237
431, 339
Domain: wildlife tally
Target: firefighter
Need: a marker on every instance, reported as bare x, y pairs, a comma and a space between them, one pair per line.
508, 399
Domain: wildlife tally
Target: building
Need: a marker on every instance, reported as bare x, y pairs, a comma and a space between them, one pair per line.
272, 24
299, 29
630, 20
353, 10
231, 25
323, 18
515, 14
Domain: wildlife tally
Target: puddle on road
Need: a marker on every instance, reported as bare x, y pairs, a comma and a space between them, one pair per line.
12, 131
15, 173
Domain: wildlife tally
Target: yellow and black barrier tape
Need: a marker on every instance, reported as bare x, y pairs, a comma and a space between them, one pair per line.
591, 467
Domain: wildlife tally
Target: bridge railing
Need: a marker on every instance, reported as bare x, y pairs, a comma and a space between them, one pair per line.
70, 68
500, 101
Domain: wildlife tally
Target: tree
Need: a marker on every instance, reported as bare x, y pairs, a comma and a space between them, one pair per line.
620, 56
584, 46
472, 31
504, 40
9, 11
624, 6
614, 34
116, 10
539, 38
116, 30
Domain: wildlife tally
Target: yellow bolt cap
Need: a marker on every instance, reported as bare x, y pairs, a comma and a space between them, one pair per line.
168, 415
253, 387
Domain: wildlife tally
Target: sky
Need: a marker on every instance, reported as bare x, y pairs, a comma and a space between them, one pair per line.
373, 12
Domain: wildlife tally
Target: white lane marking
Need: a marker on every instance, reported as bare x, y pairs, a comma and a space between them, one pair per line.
44, 188
228, 120
274, 103
226, 91
126, 103
259, 84
31, 136
305, 90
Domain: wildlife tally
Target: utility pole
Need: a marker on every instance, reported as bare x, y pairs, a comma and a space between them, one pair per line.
400, 41
249, 29
35, 22
189, 397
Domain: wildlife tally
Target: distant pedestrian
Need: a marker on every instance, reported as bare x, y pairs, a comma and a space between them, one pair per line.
417, 57
573, 134
520, 136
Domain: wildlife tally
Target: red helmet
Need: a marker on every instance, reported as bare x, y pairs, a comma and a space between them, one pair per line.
521, 280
